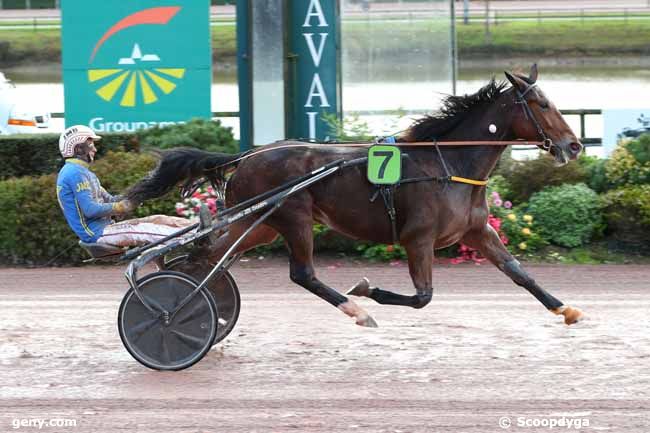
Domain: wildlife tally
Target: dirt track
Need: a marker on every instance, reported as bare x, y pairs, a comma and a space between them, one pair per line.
482, 350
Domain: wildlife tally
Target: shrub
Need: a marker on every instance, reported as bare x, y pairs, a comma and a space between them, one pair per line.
640, 148
630, 162
33, 155
567, 215
34, 230
382, 252
627, 212
596, 176
199, 133
528, 177
522, 234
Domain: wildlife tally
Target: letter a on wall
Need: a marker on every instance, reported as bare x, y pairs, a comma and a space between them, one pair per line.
134, 64
314, 41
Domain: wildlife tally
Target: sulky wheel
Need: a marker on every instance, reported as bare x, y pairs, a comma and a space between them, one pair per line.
184, 338
224, 290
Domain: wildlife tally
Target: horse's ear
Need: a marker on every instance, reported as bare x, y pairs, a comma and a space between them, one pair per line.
533, 74
516, 82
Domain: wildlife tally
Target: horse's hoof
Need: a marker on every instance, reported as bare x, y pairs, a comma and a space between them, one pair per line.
368, 322
362, 288
571, 315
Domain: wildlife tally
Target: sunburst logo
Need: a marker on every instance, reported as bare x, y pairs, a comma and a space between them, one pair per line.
136, 80
134, 85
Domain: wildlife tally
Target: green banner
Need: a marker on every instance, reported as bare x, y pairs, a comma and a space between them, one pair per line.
130, 65
314, 42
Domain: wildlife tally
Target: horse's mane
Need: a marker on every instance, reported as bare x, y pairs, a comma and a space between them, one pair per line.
454, 110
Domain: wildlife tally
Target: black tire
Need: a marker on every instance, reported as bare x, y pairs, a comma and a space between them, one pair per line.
189, 334
224, 291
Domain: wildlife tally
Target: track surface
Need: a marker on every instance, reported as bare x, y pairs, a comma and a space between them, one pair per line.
483, 349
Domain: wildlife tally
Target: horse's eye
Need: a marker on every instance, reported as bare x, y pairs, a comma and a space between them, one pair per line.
543, 105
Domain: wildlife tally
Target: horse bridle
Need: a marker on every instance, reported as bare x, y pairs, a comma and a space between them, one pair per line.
528, 112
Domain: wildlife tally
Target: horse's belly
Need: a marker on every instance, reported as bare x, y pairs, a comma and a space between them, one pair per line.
358, 219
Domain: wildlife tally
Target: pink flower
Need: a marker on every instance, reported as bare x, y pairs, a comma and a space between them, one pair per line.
494, 222
495, 195
507, 204
498, 202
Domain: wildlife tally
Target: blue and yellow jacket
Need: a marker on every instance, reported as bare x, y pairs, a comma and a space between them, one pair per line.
86, 205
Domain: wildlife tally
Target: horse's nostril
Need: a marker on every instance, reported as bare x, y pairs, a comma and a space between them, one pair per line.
575, 147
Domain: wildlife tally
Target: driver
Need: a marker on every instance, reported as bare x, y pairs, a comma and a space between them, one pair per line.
88, 207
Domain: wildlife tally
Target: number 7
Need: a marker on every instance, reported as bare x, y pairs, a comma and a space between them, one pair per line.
387, 157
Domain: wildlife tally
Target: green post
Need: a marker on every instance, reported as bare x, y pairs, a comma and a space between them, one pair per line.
313, 85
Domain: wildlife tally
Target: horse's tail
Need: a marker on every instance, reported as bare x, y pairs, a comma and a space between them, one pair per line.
181, 165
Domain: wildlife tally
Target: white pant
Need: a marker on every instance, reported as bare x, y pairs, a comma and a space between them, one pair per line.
141, 231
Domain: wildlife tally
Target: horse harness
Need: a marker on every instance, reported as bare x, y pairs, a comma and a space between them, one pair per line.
387, 192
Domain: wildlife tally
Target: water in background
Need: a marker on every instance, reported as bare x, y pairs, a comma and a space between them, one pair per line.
569, 88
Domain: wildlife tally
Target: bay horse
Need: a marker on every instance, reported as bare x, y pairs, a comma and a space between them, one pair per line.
429, 215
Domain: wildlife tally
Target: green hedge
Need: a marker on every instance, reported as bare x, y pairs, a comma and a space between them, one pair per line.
567, 215
524, 178
32, 155
627, 212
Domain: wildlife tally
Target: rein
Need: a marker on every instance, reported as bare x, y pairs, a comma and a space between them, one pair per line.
252, 153
188, 190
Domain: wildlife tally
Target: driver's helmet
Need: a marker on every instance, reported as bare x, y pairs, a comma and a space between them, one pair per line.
74, 136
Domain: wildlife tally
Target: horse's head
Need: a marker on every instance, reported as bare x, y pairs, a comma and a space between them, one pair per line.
536, 118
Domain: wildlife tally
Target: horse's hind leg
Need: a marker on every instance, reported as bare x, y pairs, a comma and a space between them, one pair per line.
297, 232
487, 241
420, 258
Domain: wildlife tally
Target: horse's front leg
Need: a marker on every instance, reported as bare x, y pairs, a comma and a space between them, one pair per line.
420, 258
487, 241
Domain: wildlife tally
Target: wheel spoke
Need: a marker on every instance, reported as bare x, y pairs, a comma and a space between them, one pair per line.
189, 340
140, 329
165, 348
196, 311
155, 304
